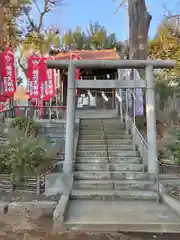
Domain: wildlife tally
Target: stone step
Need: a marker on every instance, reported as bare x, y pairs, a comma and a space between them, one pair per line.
53, 124
92, 167
119, 137
134, 184
91, 160
123, 142
127, 167
106, 167
112, 124
114, 160
117, 185
90, 121
55, 135
91, 142
92, 147
114, 131
52, 138
5, 177
92, 194
93, 184
120, 147
90, 125
92, 175
91, 153
91, 133
125, 160
118, 142
91, 137
127, 153
89, 129
113, 138
125, 175
116, 137
6, 186
54, 129
115, 175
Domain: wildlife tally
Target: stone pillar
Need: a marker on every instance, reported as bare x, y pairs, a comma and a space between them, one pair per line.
70, 121
151, 119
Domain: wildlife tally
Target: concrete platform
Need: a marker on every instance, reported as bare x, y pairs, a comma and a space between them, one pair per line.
125, 216
95, 113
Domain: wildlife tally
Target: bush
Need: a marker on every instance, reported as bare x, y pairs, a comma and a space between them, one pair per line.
141, 122
27, 125
171, 147
24, 154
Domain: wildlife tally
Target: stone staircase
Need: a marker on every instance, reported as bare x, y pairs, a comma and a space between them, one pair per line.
54, 133
107, 167
27, 183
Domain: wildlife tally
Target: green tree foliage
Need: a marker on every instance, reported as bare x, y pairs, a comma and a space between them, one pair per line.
14, 10
95, 37
166, 45
40, 43
27, 125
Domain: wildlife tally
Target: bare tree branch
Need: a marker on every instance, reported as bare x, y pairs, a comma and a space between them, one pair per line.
45, 10
47, 7
35, 30
172, 13
37, 6
122, 4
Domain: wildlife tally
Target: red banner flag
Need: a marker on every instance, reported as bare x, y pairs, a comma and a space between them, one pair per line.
8, 84
34, 76
49, 83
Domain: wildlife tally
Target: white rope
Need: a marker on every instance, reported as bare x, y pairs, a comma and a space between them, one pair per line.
104, 96
131, 92
118, 97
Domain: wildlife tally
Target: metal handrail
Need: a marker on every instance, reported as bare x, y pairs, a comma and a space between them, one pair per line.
4, 113
146, 145
36, 110
140, 135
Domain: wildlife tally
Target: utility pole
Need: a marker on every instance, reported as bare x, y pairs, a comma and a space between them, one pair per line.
2, 17
4, 39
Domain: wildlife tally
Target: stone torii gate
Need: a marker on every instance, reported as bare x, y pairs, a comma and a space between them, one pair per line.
148, 84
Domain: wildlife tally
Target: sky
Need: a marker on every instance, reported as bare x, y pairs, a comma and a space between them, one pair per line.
80, 13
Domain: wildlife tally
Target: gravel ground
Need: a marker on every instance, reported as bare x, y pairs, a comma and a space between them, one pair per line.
43, 231
174, 191
38, 235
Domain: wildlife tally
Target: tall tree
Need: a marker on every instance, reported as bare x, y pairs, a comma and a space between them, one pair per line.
139, 23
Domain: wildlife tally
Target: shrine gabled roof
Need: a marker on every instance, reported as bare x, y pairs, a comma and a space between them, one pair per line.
105, 54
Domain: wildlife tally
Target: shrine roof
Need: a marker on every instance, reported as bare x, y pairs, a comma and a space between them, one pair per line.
105, 54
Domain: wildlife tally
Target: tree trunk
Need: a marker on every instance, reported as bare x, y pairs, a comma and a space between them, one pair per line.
139, 22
